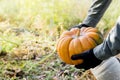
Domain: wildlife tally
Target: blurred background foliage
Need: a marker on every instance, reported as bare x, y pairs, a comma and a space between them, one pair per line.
39, 17
43, 13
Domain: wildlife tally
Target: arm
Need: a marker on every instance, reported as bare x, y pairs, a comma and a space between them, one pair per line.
96, 11
111, 45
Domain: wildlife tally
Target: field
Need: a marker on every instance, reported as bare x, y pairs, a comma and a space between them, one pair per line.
29, 31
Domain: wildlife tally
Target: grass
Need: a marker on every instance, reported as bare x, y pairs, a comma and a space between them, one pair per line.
28, 34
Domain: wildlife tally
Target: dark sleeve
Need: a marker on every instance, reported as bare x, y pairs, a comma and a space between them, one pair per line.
96, 11
111, 45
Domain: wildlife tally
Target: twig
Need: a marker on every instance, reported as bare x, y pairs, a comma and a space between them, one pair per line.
2, 39
47, 57
84, 74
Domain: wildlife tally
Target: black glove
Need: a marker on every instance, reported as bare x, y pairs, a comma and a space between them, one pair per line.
89, 60
79, 26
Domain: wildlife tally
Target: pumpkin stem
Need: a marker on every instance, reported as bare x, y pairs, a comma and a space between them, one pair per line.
78, 33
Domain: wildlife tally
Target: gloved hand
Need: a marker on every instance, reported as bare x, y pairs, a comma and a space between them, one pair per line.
89, 60
79, 26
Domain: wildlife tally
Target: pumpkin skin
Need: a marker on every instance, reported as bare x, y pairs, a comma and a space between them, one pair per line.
77, 41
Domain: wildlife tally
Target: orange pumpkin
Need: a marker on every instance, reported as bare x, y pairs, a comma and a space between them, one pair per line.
76, 41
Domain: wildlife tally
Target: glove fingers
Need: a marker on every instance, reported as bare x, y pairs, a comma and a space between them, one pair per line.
77, 56
79, 66
82, 66
85, 55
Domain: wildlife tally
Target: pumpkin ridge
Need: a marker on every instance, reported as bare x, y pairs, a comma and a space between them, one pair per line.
94, 38
64, 47
92, 30
74, 50
91, 41
89, 28
78, 51
59, 46
70, 51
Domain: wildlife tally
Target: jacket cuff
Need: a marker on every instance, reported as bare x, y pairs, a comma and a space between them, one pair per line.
92, 22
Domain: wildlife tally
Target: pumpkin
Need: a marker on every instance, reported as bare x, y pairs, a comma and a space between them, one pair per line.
77, 41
